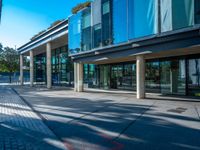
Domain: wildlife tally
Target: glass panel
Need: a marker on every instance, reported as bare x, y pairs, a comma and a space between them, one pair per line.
105, 76
86, 30
106, 7
176, 14
182, 13
197, 11
91, 75
40, 68
129, 77
75, 33
166, 15
120, 33
106, 24
173, 77
97, 38
142, 16
96, 12
116, 77
194, 77
153, 77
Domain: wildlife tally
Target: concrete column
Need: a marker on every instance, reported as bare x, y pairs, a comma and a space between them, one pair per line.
21, 70
75, 77
140, 74
79, 77
48, 59
31, 68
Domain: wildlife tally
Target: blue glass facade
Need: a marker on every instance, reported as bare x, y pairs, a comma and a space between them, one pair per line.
75, 33
110, 22
142, 18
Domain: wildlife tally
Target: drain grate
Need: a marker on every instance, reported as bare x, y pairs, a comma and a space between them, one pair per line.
177, 110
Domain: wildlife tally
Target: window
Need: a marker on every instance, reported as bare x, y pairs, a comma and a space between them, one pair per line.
106, 7
120, 31
197, 11
142, 17
75, 33
176, 14
97, 38
86, 30
106, 23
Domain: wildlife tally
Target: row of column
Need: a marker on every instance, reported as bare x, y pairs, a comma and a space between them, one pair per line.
48, 70
140, 75
78, 73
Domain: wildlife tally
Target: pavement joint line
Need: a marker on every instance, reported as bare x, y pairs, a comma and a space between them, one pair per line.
135, 120
44, 120
197, 111
95, 111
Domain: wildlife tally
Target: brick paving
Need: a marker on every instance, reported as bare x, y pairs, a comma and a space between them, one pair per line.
21, 128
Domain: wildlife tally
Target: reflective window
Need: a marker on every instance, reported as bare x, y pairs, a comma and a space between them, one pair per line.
86, 39
106, 23
173, 77
142, 18
106, 7
176, 14
120, 33
194, 77
97, 38
197, 11
153, 77
75, 33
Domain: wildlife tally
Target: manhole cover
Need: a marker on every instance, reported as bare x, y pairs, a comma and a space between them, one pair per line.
177, 110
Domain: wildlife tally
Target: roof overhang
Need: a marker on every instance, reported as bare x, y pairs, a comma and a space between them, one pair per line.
185, 38
50, 35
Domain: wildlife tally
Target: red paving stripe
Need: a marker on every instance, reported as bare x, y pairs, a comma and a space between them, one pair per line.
117, 146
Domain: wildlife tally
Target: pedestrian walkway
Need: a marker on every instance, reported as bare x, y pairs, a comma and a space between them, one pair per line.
21, 128
116, 121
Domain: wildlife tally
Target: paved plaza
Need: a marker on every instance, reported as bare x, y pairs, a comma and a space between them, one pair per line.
116, 121
21, 128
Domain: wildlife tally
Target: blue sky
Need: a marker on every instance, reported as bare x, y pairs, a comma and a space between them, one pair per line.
21, 19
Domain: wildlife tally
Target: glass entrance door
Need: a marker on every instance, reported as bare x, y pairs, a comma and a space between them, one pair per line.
194, 77
116, 77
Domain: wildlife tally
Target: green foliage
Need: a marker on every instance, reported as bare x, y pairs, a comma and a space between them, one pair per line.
81, 6
9, 60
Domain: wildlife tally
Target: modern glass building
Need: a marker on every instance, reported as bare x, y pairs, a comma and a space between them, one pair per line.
113, 38
0, 8
137, 45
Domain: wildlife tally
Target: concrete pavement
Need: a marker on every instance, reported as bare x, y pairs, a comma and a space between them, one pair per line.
105, 121
21, 128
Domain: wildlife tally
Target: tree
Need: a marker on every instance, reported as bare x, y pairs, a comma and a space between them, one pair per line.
81, 6
9, 61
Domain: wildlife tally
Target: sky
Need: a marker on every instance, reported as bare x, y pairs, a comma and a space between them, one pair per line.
22, 19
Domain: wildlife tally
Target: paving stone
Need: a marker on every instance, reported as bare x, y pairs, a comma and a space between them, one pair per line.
21, 128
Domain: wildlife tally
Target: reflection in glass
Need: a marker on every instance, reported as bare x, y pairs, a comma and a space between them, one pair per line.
194, 77
197, 11
120, 31
75, 33
106, 23
62, 67
105, 76
40, 68
176, 14
142, 17
153, 77
91, 72
86, 30
173, 77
